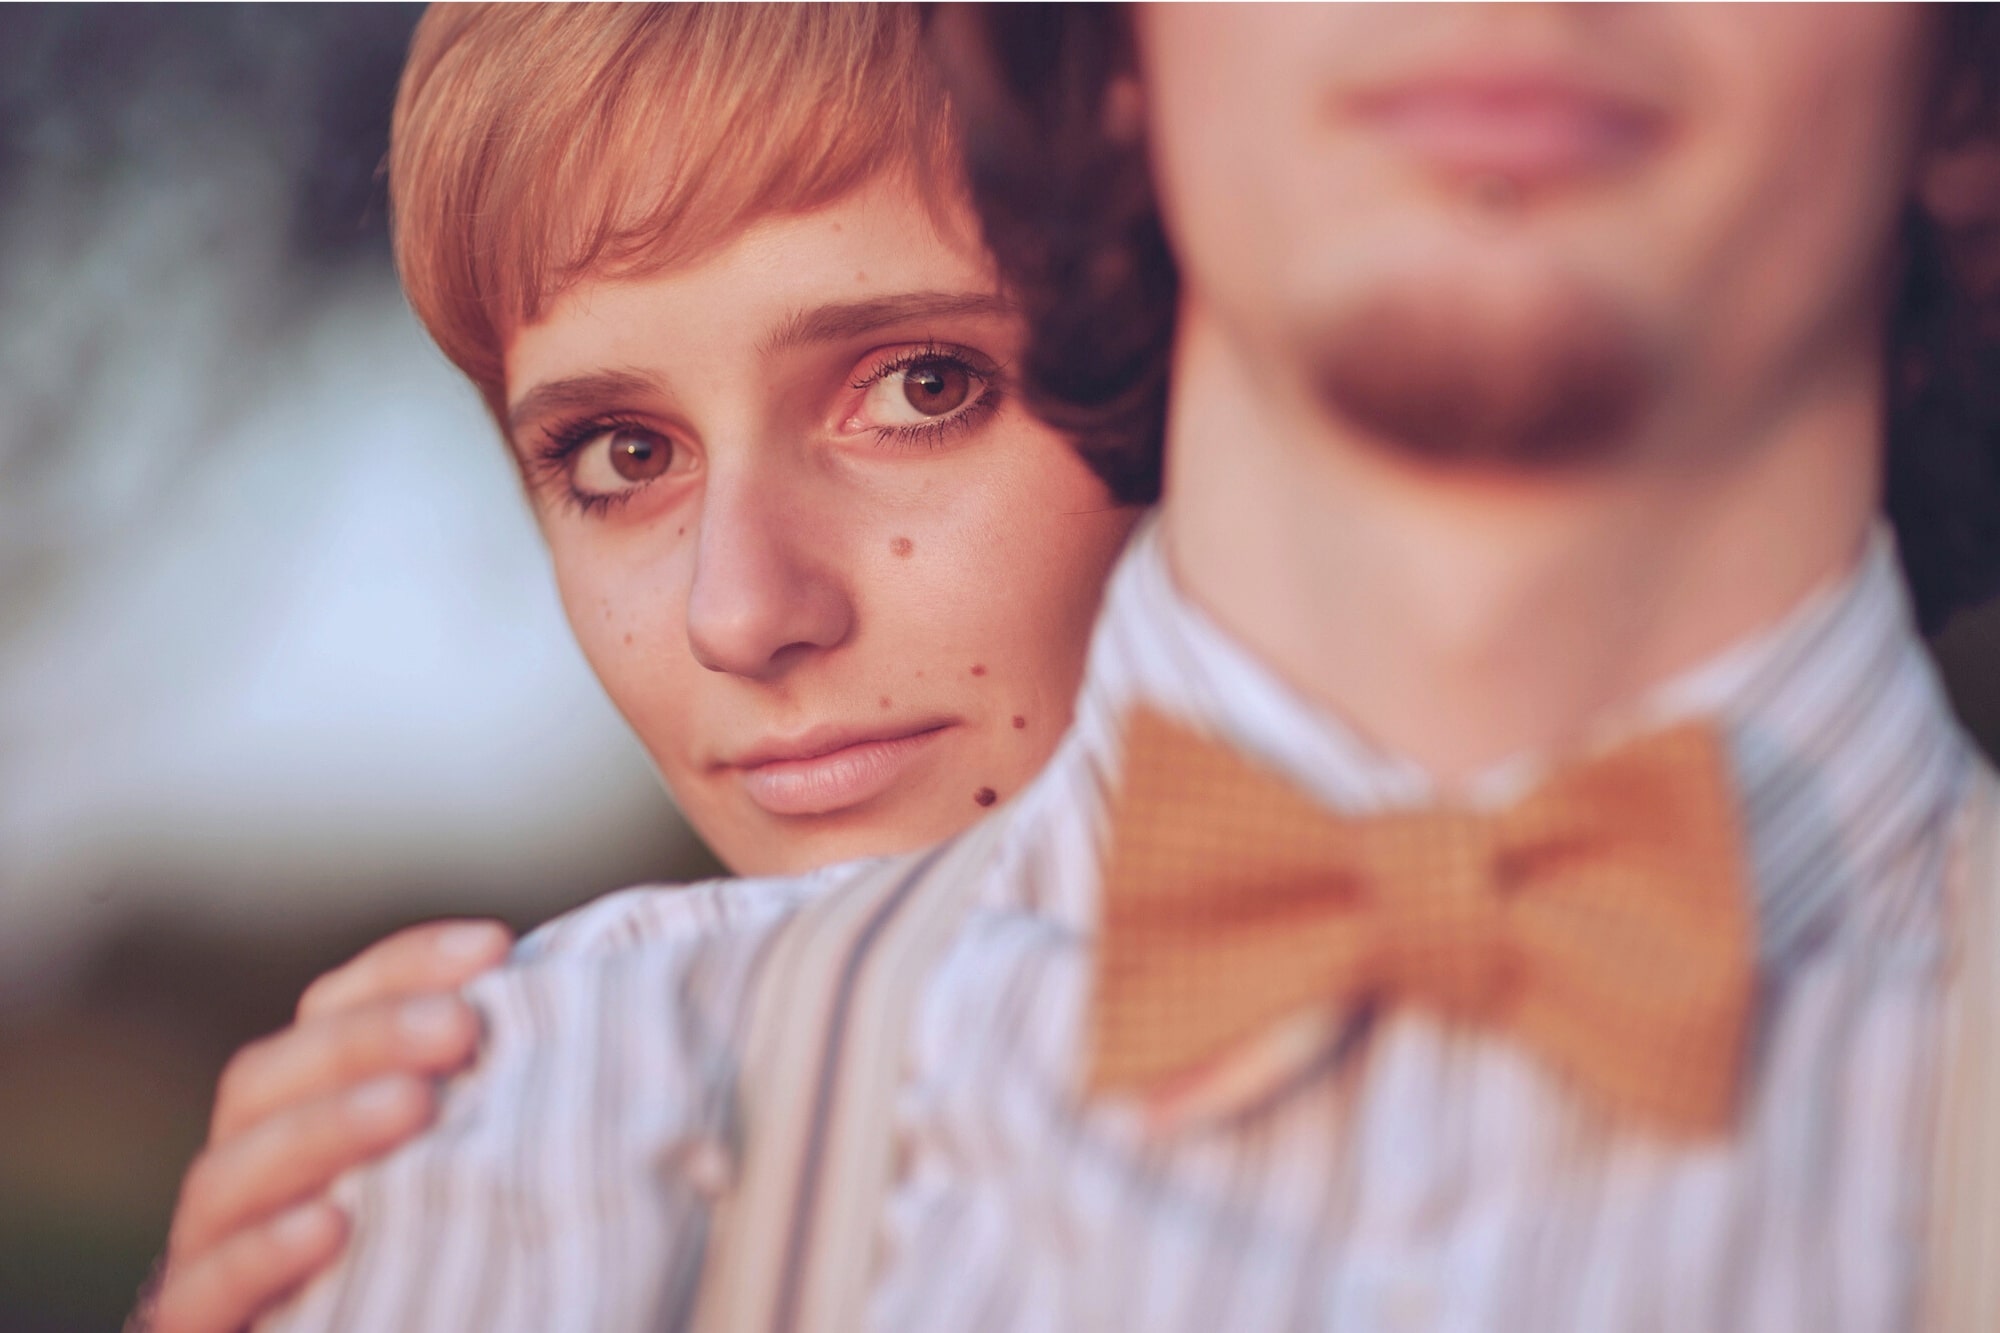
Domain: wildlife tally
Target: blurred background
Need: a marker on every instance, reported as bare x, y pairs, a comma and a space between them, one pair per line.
281, 663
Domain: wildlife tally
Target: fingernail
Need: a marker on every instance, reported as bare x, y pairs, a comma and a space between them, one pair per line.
431, 1020
384, 1099
470, 939
305, 1226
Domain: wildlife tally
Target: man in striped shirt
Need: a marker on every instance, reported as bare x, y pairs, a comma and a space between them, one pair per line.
1528, 408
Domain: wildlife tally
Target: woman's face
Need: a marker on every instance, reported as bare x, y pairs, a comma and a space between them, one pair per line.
826, 564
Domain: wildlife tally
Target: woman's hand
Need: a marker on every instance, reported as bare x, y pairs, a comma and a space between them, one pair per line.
348, 1081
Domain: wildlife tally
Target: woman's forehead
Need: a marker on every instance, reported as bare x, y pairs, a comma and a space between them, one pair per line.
876, 256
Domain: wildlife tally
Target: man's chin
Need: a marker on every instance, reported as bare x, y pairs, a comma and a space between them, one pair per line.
1555, 380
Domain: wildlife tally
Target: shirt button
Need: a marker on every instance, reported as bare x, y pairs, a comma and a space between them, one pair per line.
705, 1166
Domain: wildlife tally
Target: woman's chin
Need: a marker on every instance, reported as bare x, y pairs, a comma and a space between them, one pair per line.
760, 844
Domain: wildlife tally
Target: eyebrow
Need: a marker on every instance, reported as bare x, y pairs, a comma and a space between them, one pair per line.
576, 393
848, 319
832, 322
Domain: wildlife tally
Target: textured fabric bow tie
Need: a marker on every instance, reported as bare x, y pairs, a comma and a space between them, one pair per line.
1603, 922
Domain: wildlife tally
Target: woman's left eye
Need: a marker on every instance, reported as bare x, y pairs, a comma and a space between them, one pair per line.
933, 388
919, 393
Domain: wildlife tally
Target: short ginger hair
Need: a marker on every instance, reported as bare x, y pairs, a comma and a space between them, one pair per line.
536, 145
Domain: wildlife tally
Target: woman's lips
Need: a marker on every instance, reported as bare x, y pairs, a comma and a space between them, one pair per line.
1527, 129
820, 776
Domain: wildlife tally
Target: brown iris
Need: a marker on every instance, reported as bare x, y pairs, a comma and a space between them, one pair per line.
638, 457
936, 387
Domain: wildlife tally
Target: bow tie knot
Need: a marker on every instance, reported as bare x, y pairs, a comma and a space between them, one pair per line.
1445, 939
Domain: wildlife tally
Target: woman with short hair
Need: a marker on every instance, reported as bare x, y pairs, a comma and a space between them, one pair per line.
713, 272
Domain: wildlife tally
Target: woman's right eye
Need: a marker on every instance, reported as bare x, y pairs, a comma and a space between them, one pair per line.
620, 459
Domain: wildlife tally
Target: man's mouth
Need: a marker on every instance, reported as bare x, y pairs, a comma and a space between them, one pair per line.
1515, 124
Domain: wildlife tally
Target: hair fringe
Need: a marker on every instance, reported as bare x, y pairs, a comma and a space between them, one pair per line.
536, 145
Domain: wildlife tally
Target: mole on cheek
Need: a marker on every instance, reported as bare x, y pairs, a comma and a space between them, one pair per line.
1020, 723
985, 796
628, 641
978, 670
902, 546
682, 532
884, 701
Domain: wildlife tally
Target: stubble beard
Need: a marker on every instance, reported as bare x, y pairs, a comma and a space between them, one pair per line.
1451, 375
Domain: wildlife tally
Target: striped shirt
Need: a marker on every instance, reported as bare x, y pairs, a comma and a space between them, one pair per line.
1420, 1175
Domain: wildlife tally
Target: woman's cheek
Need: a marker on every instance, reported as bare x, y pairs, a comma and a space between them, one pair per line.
630, 624
1031, 579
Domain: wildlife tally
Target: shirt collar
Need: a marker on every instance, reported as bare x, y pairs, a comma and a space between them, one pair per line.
1844, 751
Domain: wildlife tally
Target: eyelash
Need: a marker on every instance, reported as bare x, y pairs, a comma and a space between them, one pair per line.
565, 440
933, 434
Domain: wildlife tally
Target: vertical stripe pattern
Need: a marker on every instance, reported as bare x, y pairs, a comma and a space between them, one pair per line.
1413, 1176
1963, 1290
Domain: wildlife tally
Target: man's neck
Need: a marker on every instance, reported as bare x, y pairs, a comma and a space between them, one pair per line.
1459, 618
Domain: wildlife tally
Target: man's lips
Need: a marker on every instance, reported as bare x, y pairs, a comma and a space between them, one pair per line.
1525, 126
829, 769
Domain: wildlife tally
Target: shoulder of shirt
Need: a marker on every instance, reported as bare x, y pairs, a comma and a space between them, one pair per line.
568, 987
671, 914
579, 995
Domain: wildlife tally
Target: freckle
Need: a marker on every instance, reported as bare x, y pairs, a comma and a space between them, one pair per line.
860, 276
884, 701
1020, 723
920, 674
902, 546
985, 796
978, 670
607, 613
682, 533
628, 644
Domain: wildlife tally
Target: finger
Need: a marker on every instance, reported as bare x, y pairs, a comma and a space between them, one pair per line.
292, 1155
223, 1290
431, 1034
437, 955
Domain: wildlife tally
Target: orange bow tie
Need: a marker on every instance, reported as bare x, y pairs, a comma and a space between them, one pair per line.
1603, 922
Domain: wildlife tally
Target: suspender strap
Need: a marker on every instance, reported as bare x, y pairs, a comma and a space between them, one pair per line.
792, 1247
1963, 1264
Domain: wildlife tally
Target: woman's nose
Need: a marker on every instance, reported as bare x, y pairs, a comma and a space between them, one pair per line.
763, 597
